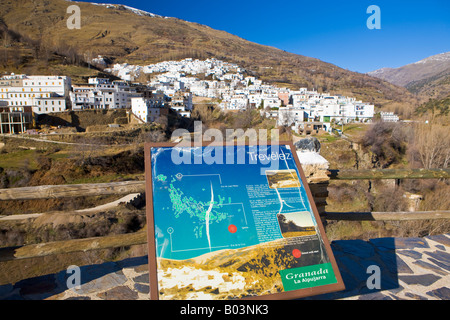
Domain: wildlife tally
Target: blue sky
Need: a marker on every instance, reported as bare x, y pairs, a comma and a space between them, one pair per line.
333, 31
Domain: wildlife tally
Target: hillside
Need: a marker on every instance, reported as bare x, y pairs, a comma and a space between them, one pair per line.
429, 77
21, 54
124, 35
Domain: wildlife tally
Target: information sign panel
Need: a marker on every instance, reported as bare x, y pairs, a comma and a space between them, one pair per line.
234, 222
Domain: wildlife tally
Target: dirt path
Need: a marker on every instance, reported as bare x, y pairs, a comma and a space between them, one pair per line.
102, 207
59, 142
20, 216
109, 205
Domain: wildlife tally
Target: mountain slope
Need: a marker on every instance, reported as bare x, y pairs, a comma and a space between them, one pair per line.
123, 34
430, 76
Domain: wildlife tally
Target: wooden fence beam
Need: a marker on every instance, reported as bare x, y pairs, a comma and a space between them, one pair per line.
139, 238
127, 187
76, 245
387, 216
372, 174
72, 190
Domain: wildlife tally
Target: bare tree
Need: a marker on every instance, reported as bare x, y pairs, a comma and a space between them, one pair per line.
432, 144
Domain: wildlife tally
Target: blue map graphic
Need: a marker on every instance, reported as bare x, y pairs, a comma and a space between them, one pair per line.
203, 207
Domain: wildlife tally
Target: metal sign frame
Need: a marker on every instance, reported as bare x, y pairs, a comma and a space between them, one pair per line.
338, 285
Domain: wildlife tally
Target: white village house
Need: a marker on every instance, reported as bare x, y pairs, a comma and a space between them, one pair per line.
100, 93
45, 94
149, 109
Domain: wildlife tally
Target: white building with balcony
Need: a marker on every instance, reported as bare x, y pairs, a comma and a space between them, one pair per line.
290, 116
100, 93
45, 94
149, 109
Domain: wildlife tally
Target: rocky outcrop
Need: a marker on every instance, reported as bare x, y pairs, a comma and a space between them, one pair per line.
311, 144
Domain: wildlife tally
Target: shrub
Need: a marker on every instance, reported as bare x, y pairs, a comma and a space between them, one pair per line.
388, 200
387, 142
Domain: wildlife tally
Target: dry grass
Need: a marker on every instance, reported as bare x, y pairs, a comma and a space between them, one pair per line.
294, 234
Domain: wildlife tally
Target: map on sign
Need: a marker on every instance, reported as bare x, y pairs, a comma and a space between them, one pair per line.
207, 211
230, 221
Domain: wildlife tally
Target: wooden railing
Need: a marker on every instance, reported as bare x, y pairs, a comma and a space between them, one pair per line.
75, 245
377, 174
72, 190
127, 187
138, 238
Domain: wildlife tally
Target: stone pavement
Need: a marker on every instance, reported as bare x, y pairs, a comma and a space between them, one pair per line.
410, 268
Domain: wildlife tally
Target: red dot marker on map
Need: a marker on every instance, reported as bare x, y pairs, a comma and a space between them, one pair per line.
232, 228
296, 253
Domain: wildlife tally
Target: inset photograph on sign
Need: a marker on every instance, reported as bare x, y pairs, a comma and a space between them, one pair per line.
296, 224
231, 230
282, 179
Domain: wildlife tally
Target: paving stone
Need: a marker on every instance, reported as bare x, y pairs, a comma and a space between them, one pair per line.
440, 255
394, 297
388, 281
388, 278
422, 279
107, 281
6, 290
350, 282
383, 243
400, 243
440, 264
396, 290
142, 288
58, 296
402, 267
358, 280
430, 266
393, 262
133, 262
441, 293
143, 278
358, 248
410, 243
374, 296
414, 296
141, 268
442, 238
96, 278
352, 267
119, 293
42, 285
79, 298
410, 253
14, 296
